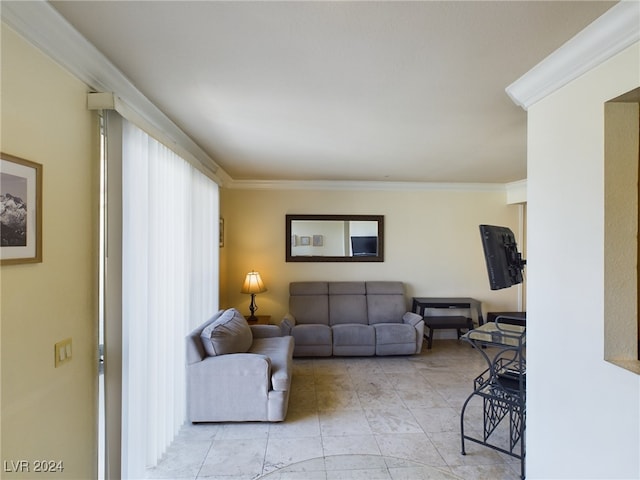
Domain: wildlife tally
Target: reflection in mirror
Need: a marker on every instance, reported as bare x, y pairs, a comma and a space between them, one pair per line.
334, 238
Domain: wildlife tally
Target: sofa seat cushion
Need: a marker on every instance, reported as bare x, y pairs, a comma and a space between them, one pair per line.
279, 350
354, 340
312, 340
395, 339
229, 333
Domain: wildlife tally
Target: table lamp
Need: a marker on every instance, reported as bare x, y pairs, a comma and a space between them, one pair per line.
253, 284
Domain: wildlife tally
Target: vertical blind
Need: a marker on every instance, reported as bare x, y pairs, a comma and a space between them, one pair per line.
169, 285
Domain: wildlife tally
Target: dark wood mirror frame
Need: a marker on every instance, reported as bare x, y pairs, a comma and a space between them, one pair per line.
379, 219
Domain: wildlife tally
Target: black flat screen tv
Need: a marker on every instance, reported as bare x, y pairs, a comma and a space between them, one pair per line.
364, 246
504, 262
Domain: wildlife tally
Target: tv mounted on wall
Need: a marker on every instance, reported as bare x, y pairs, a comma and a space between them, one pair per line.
364, 246
504, 262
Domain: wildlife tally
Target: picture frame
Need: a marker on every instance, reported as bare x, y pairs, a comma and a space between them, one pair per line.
221, 232
318, 240
305, 240
21, 217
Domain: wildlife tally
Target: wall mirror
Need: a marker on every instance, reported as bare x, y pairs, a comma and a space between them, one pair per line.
334, 238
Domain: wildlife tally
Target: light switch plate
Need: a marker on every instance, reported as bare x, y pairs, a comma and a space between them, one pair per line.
63, 352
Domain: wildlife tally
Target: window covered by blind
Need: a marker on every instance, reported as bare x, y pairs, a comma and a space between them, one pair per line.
170, 217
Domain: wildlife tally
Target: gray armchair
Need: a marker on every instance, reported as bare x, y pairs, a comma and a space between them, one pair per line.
237, 372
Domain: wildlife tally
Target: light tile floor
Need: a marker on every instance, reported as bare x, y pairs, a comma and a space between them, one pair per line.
405, 408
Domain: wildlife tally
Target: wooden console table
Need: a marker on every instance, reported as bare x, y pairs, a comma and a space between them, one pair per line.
433, 322
260, 320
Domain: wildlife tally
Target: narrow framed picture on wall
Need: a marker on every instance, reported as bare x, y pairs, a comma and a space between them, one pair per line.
221, 232
20, 210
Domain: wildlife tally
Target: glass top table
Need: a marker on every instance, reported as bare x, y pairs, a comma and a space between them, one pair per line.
497, 334
502, 388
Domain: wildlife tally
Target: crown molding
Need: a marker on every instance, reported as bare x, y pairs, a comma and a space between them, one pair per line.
45, 28
362, 185
608, 35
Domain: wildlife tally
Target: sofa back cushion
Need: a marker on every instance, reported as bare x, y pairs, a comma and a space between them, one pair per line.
308, 288
347, 288
348, 309
230, 333
385, 302
309, 302
384, 288
195, 348
347, 303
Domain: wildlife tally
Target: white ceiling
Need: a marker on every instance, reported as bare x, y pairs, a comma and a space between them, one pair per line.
371, 91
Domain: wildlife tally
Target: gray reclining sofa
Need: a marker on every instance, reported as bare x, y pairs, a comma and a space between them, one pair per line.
237, 372
351, 319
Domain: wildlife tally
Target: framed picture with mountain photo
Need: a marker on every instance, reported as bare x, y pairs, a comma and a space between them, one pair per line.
20, 210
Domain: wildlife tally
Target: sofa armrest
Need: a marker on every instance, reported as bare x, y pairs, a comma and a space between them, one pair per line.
265, 331
287, 324
418, 323
412, 318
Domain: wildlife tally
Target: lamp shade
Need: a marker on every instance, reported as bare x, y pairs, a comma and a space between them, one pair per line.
253, 284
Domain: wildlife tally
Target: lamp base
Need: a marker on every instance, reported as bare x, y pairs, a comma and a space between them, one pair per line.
252, 308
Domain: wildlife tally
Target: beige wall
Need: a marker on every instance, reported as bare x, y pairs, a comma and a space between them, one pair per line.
432, 242
51, 413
